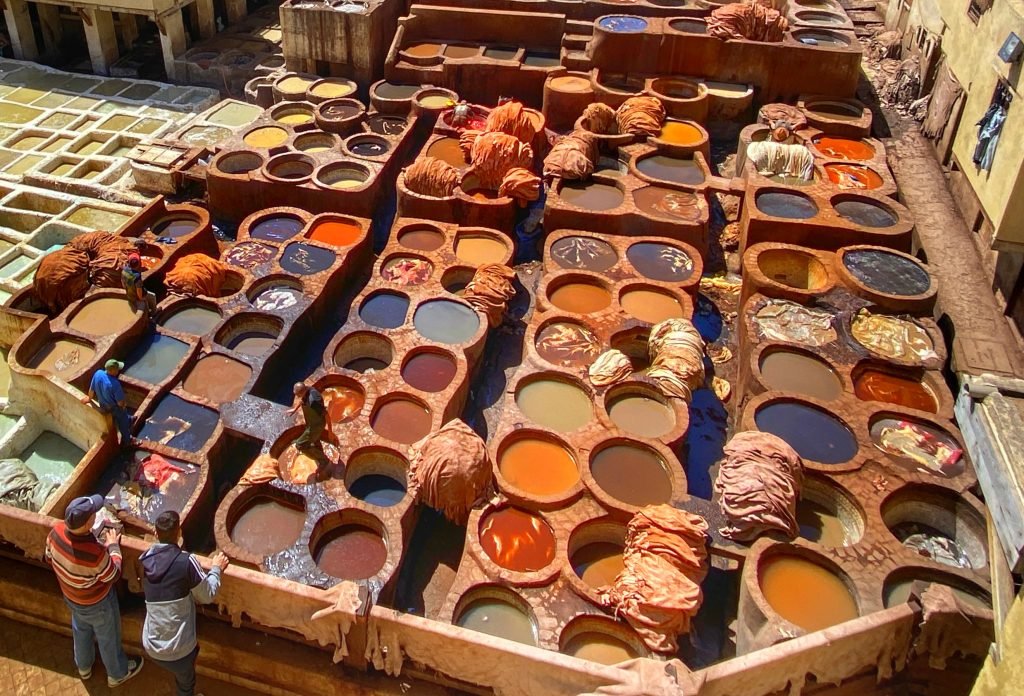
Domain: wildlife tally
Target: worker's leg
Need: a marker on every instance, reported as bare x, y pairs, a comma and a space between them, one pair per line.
82, 637
124, 426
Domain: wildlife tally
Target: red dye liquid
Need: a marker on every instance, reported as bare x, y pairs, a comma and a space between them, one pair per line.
352, 552
844, 148
517, 540
876, 385
853, 176
336, 233
401, 420
429, 372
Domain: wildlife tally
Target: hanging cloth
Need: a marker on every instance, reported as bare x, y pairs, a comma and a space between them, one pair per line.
990, 126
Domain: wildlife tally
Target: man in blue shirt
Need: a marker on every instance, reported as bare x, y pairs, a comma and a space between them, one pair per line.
109, 395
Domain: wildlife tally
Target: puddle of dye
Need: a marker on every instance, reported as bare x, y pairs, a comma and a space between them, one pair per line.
558, 405
429, 371
276, 298
789, 371
377, 489
918, 446
179, 423
106, 316
598, 563
806, 594
887, 272
660, 261
351, 552
62, 358
599, 647
385, 310
650, 305
539, 467
155, 359
517, 540
541, 60
267, 526
666, 202
422, 50
253, 343
192, 320
217, 378
175, 227
401, 420
368, 147
267, 137
853, 176
865, 214
51, 457
421, 239
679, 171
477, 249
820, 525
844, 148
249, 254
498, 618
642, 415
879, 385
566, 344
277, 229
786, 205
343, 403
586, 253
899, 592
591, 196
448, 150
365, 364
407, 270
814, 434
581, 298
632, 475
679, 133
446, 321
306, 259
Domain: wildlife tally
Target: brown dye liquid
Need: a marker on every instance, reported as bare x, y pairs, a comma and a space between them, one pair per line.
642, 415
429, 372
217, 378
267, 526
877, 385
789, 371
422, 50
539, 467
591, 196
581, 298
806, 594
632, 475
496, 617
343, 403
558, 405
401, 420
899, 592
352, 552
448, 150
599, 647
570, 83
388, 90
651, 306
253, 343
103, 317
565, 343
597, 564
453, 51
820, 525
477, 250
62, 358
517, 540
421, 240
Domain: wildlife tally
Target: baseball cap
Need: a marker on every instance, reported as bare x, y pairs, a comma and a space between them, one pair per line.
134, 260
113, 363
79, 510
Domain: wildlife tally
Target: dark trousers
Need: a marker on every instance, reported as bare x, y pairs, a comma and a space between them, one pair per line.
184, 671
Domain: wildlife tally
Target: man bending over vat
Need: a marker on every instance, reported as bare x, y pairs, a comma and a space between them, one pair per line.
314, 413
173, 581
87, 570
106, 388
131, 278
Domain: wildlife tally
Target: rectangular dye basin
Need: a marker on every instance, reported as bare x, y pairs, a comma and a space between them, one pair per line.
97, 218
16, 266
52, 457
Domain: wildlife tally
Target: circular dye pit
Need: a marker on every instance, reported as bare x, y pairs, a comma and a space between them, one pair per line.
598, 646
276, 298
567, 344
660, 261
786, 205
689, 26
342, 176
681, 205
267, 525
844, 148
175, 227
819, 524
407, 270
792, 268
517, 540
680, 132
336, 233
343, 403
384, 310
249, 254
351, 552
290, 167
293, 115
813, 433
376, 478
591, 195
448, 150
833, 110
368, 146
897, 589
340, 109
580, 297
886, 272
570, 83
106, 316
429, 371
641, 415
63, 358
277, 228
586, 253
649, 305
253, 343
311, 143
804, 593
892, 337
217, 378
622, 23
446, 321
873, 384
386, 125
919, 447
478, 249
598, 563
827, 515
306, 259
401, 420
865, 213
800, 373
435, 100
332, 89
632, 474
853, 176
498, 617
421, 239
674, 169
266, 137
555, 404
192, 320
377, 489
539, 467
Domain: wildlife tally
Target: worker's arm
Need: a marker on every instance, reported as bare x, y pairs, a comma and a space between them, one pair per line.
206, 585
88, 397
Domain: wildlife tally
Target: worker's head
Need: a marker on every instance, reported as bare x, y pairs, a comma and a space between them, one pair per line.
780, 134
300, 389
139, 244
168, 527
80, 514
134, 262
113, 367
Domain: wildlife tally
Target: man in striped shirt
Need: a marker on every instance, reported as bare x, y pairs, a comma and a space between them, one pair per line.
87, 570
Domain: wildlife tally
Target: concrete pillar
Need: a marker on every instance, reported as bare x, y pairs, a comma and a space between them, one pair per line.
205, 18
49, 22
19, 26
172, 40
102, 39
129, 29
237, 11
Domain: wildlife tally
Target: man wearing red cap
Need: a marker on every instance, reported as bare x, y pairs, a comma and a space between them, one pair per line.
131, 279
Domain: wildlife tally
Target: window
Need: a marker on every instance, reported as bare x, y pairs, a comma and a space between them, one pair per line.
976, 8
